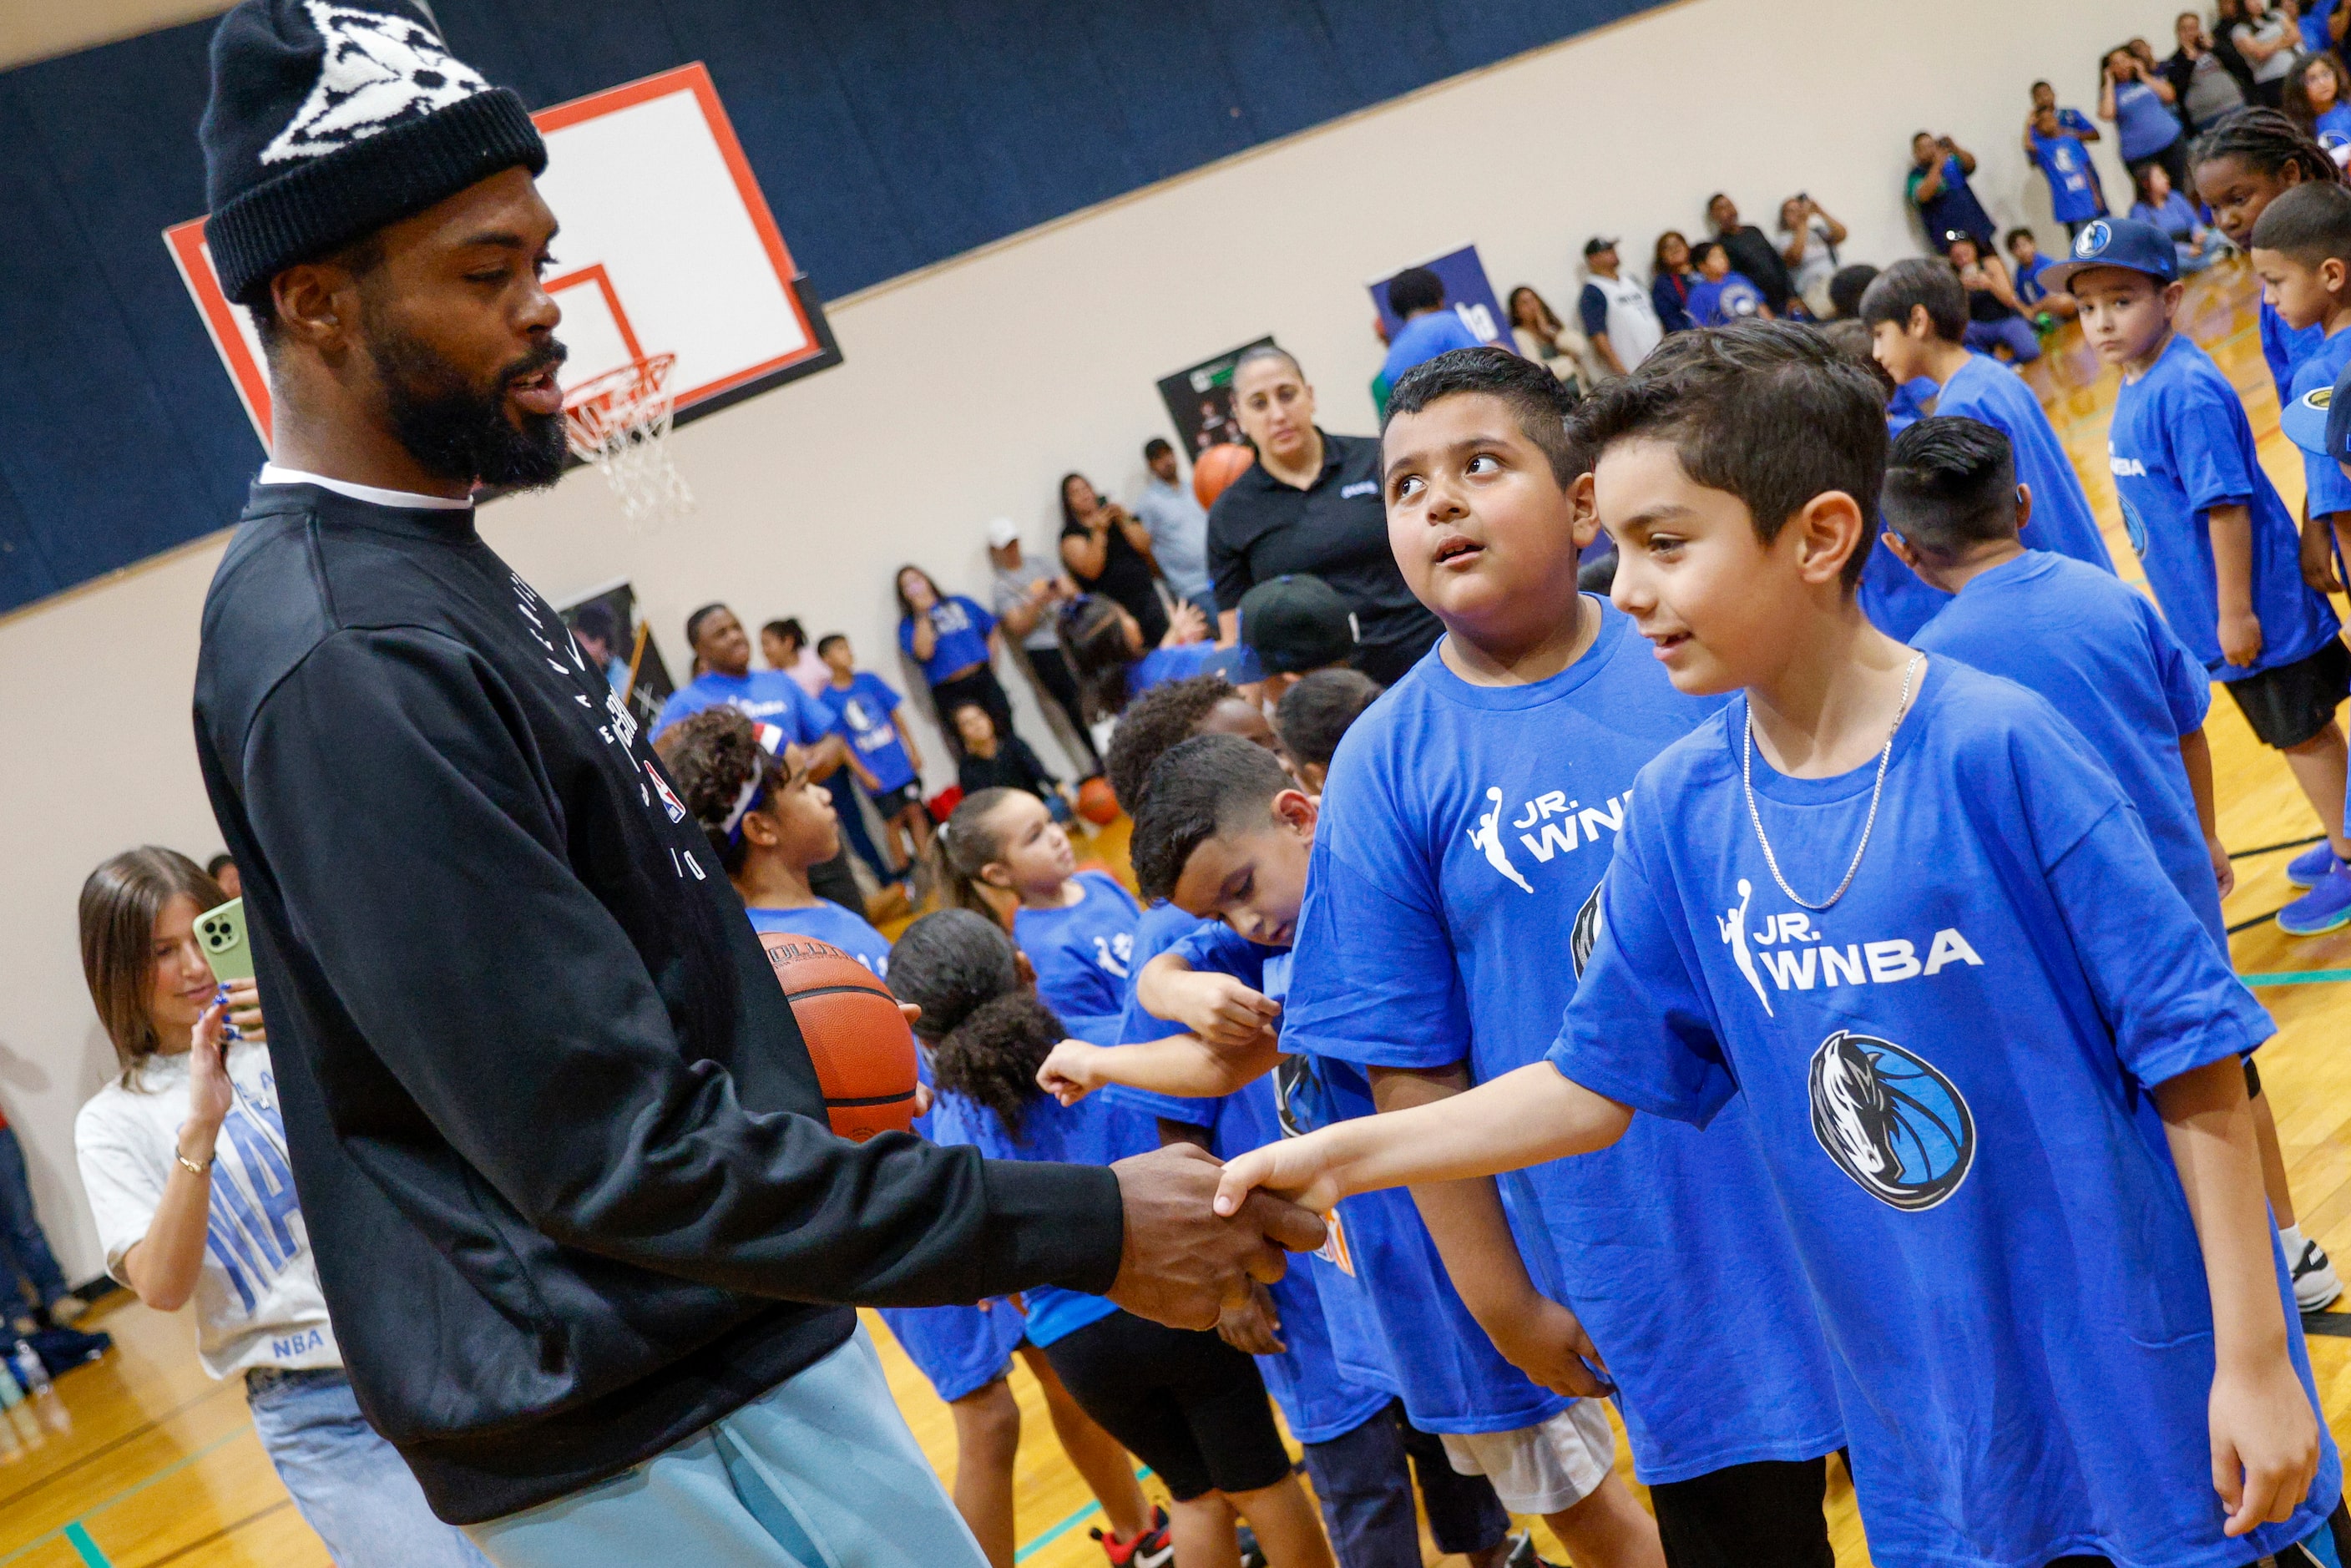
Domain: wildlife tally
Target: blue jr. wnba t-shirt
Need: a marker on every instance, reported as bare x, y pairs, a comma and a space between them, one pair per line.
1948, 1073
1453, 889
1984, 388
1084, 954
828, 922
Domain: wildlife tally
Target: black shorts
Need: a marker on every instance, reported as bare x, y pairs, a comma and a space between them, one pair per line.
2292, 703
1186, 1403
889, 802
1763, 1514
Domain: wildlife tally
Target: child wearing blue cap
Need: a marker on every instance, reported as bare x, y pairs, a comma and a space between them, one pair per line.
2219, 547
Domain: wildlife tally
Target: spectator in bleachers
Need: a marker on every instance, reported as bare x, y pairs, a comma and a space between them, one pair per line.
1620, 319
1108, 551
1539, 335
31, 1286
953, 641
1671, 279
2271, 41
1723, 294
1846, 288
1996, 323
2207, 84
785, 645
1808, 240
1938, 186
1417, 296
221, 869
2075, 196
2025, 266
598, 632
1028, 593
2140, 104
1179, 525
1752, 254
2197, 243
2315, 91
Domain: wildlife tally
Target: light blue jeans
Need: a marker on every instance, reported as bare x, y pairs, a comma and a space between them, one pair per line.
819, 1472
351, 1486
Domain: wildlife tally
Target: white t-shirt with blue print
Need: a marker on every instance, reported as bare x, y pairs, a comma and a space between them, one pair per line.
1948, 1073
1453, 889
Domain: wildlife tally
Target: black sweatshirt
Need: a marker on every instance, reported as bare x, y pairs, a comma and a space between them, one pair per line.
558, 1145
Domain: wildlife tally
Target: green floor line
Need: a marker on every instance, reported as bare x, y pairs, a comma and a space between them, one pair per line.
79, 1538
1067, 1525
2297, 977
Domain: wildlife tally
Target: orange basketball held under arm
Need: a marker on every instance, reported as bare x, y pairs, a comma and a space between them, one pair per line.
863, 1051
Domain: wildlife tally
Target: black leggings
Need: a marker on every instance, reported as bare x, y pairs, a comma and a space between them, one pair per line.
1184, 1402
1052, 672
976, 685
1767, 1514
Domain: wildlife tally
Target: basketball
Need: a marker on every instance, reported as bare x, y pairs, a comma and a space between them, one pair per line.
863, 1051
1096, 804
1218, 468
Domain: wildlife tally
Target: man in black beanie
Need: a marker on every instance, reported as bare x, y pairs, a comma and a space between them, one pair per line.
588, 1244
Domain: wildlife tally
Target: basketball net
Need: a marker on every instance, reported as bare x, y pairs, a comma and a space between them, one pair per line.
621, 423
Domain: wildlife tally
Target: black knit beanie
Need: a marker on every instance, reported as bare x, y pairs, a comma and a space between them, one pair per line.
331, 118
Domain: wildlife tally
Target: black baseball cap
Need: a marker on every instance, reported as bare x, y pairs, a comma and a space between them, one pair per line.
1599, 243
1296, 623
2319, 420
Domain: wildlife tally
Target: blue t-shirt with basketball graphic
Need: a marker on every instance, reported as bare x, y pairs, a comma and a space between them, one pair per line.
961, 627
2179, 444
828, 922
2326, 488
2333, 128
1084, 954
1318, 1400
2073, 186
1720, 301
1453, 887
1984, 388
2283, 348
1947, 1071
863, 710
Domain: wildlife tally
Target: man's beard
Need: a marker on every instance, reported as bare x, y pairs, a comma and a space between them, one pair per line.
455, 431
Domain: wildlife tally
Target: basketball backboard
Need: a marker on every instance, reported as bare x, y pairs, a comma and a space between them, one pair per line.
667, 247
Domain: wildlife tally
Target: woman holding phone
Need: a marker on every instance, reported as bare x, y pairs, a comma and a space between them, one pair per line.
184, 1156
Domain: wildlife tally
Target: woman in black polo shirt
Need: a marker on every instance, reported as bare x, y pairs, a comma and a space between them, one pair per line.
1311, 503
1109, 552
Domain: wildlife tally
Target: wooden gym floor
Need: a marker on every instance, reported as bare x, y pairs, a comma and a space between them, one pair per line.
161, 1466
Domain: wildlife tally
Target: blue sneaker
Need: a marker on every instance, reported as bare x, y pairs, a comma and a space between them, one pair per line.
2325, 907
2309, 868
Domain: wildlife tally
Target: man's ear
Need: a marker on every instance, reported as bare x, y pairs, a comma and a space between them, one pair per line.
316, 304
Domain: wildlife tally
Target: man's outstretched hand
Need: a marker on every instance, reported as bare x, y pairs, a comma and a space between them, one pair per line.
1182, 1263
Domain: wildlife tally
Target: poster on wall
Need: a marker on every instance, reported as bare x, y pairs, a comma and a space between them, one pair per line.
1200, 400
1467, 294
604, 623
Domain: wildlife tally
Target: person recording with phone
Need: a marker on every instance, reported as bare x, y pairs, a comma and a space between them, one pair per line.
183, 1156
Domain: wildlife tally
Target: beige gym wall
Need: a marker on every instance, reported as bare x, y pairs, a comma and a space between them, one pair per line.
969, 388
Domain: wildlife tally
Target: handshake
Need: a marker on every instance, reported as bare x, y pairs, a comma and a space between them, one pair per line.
1183, 1263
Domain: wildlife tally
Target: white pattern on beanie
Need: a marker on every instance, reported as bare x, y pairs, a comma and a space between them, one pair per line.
377, 71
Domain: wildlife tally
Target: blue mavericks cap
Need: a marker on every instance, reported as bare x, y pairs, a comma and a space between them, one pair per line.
2319, 420
2118, 242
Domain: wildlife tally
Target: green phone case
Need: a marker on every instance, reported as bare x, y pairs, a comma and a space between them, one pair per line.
221, 932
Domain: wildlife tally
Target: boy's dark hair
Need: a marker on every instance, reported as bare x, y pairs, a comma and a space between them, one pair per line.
1952, 484
988, 1033
2037, 87
1700, 249
1539, 398
1314, 714
1093, 635
219, 863
1208, 785
788, 628
693, 622
2266, 142
828, 639
1920, 280
2307, 224
1851, 338
2020, 231
1160, 719
1847, 286
1414, 289
1155, 447
1769, 411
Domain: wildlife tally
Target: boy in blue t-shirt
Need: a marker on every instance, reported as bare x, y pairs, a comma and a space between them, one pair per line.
2100, 652
1722, 296
1417, 297
2027, 263
2073, 194
1989, 1053
1917, 314
866, 711
2218, 546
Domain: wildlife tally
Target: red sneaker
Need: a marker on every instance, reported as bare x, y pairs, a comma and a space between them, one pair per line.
1148, 1548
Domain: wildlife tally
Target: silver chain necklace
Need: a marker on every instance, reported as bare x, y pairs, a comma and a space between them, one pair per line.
1747, 777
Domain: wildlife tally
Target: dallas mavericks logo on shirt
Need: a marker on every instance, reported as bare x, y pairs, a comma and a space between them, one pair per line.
1584, 935
1737, 300
1300, 1103
2134, 527
1890, 1120
378, 71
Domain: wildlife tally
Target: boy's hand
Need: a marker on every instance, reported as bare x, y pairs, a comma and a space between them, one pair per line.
1547, 1342
2264, 1443
1294, 1168
1217, 1008
2241, 636
1068, 1073
2224, 870
2318, 559
1253, 1328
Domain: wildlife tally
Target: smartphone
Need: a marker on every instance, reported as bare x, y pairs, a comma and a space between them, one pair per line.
221, 932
